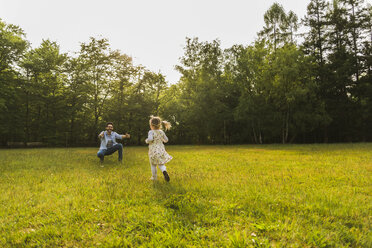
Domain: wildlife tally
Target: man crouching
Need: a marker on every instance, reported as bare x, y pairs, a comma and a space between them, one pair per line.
109, 144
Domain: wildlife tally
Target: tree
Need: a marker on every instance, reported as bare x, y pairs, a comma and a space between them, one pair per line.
357, 28
117, 108
363, 90
12, 47
290, 88
291, 26
76, 97
141, 104
97, 57
315, 44
251, 113
44, 84
340, 103
276, 23
205, 91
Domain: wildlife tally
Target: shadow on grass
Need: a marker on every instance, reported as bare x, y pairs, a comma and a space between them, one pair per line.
111, 161
306, 147
185, 206
164, 190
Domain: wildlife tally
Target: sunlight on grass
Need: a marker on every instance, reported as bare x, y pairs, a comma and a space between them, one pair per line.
218, 196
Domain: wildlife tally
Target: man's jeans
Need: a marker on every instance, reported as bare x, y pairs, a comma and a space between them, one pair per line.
104, 152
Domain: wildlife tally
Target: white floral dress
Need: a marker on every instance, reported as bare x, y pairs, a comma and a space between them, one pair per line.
157, 153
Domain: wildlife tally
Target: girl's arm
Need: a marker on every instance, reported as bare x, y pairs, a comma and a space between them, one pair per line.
150, 137
164, 137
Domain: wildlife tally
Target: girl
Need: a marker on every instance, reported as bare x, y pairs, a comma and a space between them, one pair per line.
157, 154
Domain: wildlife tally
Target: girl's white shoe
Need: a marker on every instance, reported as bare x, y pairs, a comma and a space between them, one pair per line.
153, 178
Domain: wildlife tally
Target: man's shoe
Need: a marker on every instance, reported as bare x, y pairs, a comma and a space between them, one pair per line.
166, 176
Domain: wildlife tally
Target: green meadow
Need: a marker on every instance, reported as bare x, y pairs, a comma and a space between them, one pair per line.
218, 196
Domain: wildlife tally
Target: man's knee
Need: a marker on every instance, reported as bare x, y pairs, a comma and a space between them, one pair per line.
100, 154
119, 146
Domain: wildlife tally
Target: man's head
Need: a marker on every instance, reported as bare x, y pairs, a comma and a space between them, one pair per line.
109, 127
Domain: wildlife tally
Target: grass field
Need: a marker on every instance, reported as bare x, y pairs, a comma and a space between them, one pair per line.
218, 196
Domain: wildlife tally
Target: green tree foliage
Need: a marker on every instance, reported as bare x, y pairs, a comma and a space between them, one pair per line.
76, 98
12, 48
97, 57
276, 24
276, 89
206, 93
43, 88
336, 39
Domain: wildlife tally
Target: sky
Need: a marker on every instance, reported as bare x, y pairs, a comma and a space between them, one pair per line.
152, 32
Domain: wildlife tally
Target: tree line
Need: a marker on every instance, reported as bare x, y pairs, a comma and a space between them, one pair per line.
285, 87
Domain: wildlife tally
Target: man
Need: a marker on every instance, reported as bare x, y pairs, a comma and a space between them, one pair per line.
109, 144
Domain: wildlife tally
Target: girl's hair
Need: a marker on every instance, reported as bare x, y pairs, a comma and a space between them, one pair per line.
156, 122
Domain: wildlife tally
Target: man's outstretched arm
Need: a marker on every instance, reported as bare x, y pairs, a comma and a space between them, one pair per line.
121, 136
101, 135
126, 136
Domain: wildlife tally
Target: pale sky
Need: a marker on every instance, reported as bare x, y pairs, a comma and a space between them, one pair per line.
153, 32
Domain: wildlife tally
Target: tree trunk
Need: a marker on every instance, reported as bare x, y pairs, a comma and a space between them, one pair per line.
292, 138
27, 131
355, 46
224, 132
72, 127
259, 133
139, 136
38, 124
319, 36
287, 126
325, 135
260, 137
27, 124
254, 134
